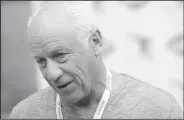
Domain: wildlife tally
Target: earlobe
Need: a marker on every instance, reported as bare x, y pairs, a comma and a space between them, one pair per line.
98, 52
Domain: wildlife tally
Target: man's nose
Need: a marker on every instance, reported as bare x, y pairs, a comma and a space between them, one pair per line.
53, 70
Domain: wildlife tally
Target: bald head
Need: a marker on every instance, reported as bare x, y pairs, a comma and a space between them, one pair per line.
55, 18
74, 20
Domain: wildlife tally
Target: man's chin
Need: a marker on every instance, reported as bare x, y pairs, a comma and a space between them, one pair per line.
74, 96
66, 90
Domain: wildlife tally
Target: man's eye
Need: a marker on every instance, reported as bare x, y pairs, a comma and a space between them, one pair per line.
59, 55
41, 62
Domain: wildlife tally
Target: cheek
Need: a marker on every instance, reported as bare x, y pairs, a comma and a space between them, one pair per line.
77, 66
85, 71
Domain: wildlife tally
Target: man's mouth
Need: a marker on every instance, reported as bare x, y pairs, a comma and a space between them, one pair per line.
65, 85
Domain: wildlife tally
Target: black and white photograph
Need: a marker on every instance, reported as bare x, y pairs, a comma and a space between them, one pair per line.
92, 60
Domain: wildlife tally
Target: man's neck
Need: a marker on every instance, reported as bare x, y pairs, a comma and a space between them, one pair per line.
90, 101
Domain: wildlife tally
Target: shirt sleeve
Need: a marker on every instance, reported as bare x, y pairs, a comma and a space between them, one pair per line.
13, 114
19, 111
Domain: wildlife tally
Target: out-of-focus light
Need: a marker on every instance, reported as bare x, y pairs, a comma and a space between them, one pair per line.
134, 4
175, 45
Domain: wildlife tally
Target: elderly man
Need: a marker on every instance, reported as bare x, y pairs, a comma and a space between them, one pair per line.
68, 47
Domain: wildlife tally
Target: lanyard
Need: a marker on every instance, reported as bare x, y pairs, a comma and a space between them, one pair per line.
102, 102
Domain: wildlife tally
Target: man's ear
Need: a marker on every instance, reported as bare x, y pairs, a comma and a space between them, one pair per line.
97, 43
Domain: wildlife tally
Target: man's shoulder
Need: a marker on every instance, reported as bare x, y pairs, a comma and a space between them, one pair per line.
33, 103
142, 100
37, 97
147, 91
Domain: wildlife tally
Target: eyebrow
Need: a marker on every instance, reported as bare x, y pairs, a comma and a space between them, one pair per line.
53, 50
57, 48
37, 57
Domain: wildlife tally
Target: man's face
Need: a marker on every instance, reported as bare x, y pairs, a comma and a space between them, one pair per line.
65, 62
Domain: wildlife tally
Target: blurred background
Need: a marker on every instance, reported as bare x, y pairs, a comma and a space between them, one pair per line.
147, 39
